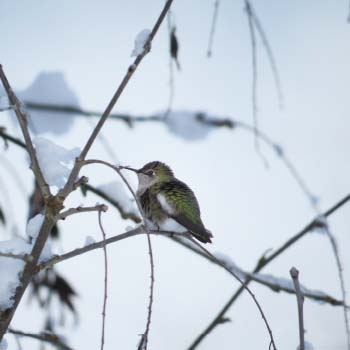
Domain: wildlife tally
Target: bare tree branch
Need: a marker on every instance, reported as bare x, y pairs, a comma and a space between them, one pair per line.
270, 55
77, 210
254, 79
23, 257
334, 245
52, 206
46, 337
300, 301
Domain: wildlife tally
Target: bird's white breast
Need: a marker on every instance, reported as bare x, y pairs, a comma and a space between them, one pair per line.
167, 207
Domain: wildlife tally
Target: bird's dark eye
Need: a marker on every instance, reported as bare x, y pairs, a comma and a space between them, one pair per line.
150, 173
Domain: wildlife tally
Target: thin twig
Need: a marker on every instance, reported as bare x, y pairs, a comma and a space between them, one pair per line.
262, 262
254, 80
46, 337
334, 246
270, 56
105, 280
77, 210
244, 285
144, 339
23, 257
171, 72
212, 29
300, 301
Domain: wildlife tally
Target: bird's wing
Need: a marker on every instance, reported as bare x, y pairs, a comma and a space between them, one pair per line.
180, 203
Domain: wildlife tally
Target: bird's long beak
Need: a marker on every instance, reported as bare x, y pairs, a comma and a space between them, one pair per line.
129, 168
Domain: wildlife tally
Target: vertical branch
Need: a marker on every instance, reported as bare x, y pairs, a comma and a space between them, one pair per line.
171, 70
144, 338
270, 56
212, 29
334, 246
254, 79
300, 300
105, 279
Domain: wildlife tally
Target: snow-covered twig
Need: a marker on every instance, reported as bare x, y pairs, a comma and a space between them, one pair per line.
105, 280
294, 273
262, 262
277, 284
77, 210
22, 118
46, 337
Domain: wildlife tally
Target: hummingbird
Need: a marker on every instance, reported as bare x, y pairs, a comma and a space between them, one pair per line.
165, 201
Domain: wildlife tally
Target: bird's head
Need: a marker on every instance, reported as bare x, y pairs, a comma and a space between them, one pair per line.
151, 173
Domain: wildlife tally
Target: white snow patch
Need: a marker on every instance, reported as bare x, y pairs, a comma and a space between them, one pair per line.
231, 265
186, 125
89, 240
165, 204
34, 225
50, 88
55, 161
287, 284
11, 269
140, 42
3, 344
308, 346
116, 191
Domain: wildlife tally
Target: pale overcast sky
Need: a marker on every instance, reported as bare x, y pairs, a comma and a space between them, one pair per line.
248, 207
